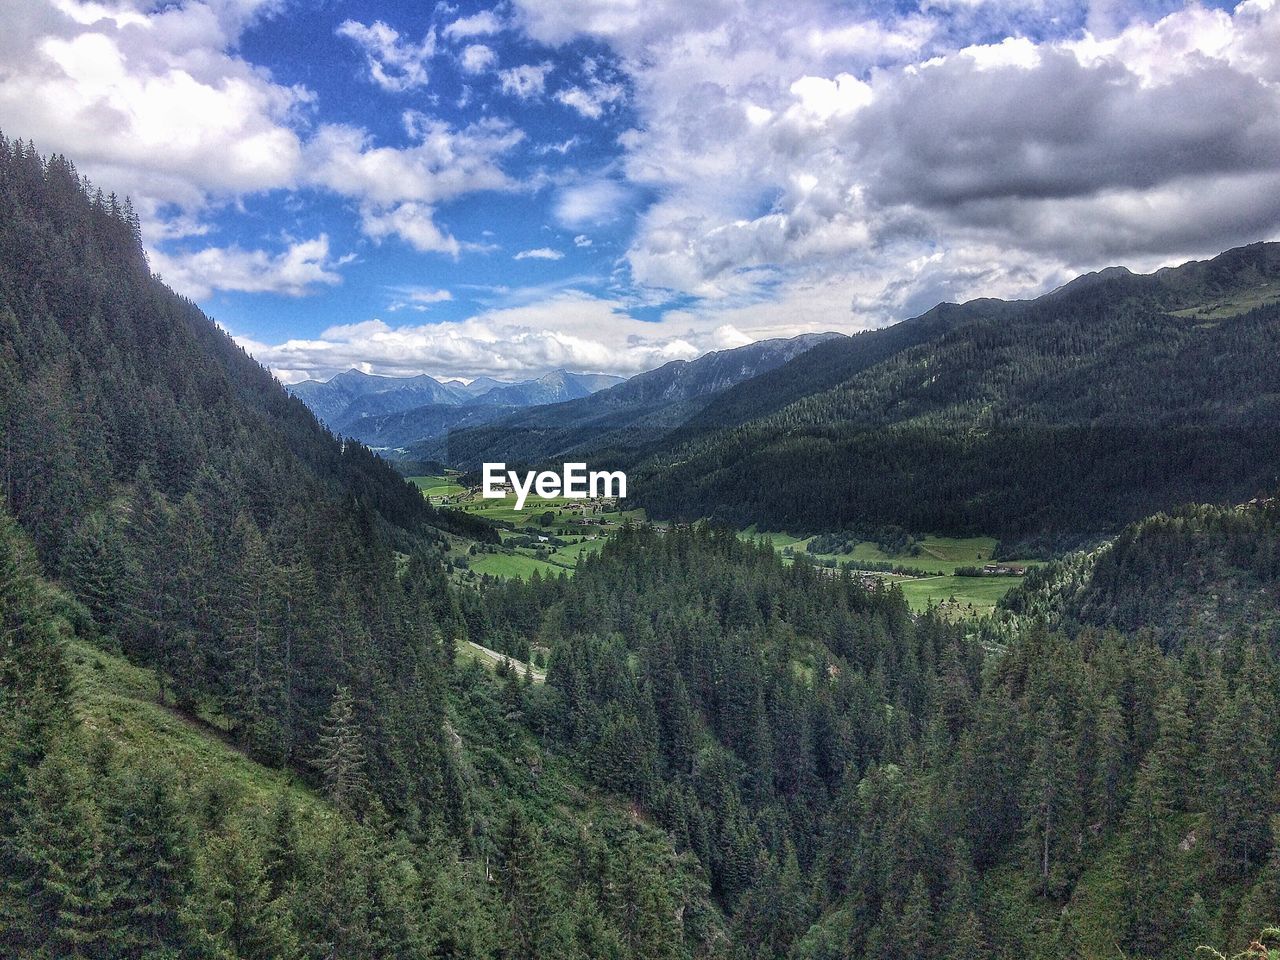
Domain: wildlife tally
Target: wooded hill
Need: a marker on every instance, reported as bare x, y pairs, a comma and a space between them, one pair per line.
285, 593
1107, 400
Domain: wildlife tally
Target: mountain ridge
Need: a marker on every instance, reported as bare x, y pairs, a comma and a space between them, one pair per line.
1166, 380
367, 406
627, 414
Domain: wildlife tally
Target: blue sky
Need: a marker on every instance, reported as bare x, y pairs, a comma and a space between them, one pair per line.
604, 185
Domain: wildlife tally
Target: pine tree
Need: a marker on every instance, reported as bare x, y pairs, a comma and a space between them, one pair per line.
53, 867
1238, 788
1109, 777
342, 756
916, 925
1173, 749
240, 913
1150, 856
149, 862
526, 888
1050, 805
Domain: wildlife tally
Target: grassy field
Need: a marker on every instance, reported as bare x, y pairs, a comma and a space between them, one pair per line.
512, 560
514, 564
438, 489
959, 596
938, 556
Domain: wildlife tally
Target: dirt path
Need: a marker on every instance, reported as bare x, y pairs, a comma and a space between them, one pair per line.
494, 657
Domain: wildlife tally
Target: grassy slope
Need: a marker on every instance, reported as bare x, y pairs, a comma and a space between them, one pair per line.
122, 702
972, 596
501, 762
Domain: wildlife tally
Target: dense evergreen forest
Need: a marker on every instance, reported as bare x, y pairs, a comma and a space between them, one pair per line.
732, 756
287, 590
1070, 415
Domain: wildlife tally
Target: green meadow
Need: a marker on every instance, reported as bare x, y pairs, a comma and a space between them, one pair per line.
516, 557
937, 556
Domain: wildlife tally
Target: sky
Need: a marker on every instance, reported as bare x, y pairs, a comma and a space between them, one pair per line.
468, 189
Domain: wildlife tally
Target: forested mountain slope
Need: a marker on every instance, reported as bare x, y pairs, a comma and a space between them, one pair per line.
1102, 402
285, 591
860, 783
622, 418
1206, 572
130, 829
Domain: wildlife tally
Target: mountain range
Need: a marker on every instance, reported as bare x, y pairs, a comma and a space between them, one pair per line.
1055, 419
392, 411
626, 416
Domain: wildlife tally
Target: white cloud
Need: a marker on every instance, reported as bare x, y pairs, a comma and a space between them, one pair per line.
830, 151
582, 241
477, 58
591, 100
295, 271
394, 64
152, 104
540, 253
417, 298
570, 330
413, 223
399, 188
481, 24
591, 203
154, 101
525, 81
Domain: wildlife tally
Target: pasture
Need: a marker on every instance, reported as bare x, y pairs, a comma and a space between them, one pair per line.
938, 556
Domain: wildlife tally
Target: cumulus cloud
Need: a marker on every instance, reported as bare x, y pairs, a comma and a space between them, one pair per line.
398, 188
582, 241
295, 271
481, 24
569, 330
156, 102
893, 159
394, 64
525, 81
540, 253
152, 103
477, 58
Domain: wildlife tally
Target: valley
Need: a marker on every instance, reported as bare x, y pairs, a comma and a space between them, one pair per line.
262, 697
548, 536
551, 535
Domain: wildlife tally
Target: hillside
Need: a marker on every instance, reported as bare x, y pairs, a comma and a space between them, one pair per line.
1201, 572
624, 417
1058, 418
183, 840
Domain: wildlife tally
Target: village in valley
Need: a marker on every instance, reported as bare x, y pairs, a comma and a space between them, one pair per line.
548, 536
959, 577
